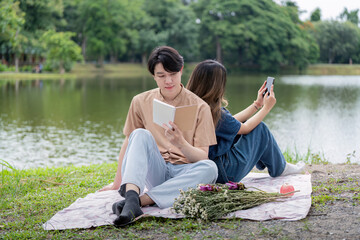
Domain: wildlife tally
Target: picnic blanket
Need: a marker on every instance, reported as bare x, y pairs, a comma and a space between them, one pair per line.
96, 208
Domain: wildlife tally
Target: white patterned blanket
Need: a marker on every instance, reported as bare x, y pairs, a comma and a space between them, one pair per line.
95, 209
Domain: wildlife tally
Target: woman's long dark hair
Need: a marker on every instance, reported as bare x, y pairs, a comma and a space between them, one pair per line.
208, 81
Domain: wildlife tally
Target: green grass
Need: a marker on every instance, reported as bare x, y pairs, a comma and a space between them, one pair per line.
128, 70
309, 157
333, 190
30, 197
323, 69
333, 69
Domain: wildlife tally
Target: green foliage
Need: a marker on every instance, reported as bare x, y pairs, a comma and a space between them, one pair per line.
11, 22
309, 158
315, 15
41, 15
61, 50
351, 16
3, 68
176, 24
11, 19
106, 27
258, 33
26, 68
338, 41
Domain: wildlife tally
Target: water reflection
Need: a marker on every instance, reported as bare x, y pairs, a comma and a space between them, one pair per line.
57, 122
80, 121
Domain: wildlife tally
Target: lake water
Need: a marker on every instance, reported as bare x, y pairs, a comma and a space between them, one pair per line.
61, 122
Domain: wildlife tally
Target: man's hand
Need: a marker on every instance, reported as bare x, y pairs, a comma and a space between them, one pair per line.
174, 135
111, 186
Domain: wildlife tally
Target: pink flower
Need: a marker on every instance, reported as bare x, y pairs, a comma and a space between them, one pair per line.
206, 187
232, 185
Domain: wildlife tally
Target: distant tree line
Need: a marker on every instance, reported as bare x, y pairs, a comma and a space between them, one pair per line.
258, 34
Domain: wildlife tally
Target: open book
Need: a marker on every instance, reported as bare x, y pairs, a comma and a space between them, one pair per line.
183, 117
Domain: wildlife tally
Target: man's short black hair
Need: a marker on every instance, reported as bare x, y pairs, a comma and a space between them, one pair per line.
171, 60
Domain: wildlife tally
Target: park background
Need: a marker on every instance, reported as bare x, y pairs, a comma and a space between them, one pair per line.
92, 58
61, 129
261, 35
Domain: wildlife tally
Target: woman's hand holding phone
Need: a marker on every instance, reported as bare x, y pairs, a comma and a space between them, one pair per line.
265, 92
269, 82
270, 100
260, 96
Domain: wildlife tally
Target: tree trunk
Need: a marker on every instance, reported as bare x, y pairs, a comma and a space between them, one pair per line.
113, 58
16, 63
144, 59
330, 57
218, 50
83, 48
62, 69
100, 61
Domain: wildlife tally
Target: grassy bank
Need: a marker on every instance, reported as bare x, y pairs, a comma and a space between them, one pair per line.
333, 69
128, 70
31, 197
83, 71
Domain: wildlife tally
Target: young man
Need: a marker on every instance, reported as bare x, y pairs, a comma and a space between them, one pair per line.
164, 160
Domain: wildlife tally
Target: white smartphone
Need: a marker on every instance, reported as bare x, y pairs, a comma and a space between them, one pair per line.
269, 82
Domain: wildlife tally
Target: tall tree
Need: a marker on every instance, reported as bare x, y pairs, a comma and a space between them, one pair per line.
61, 50
220, 25
315, 15
351, 16
338, 41
258, 33
11, 23
105, 27
41, 15
169, 22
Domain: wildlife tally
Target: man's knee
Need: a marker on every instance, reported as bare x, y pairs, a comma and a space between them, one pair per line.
209, 168
140, 133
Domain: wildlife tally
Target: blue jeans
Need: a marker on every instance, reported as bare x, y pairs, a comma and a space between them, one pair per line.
143, 166
258, 148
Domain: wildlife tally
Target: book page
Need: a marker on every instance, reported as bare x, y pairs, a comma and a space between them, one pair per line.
184, 117
163, 113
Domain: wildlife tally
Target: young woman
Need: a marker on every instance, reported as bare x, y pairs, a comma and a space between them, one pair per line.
243, 140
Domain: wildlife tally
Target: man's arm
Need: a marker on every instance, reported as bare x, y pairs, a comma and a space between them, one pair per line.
175, 136
117, 181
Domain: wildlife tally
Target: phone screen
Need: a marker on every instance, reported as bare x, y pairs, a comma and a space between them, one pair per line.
269, 82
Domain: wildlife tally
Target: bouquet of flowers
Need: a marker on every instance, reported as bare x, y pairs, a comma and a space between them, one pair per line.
213, 201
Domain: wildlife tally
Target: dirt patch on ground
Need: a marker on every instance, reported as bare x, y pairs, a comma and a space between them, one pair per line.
334, 214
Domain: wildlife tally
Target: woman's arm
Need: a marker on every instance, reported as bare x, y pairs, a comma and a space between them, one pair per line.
193, 154
251, 123
245, 114
117, 181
